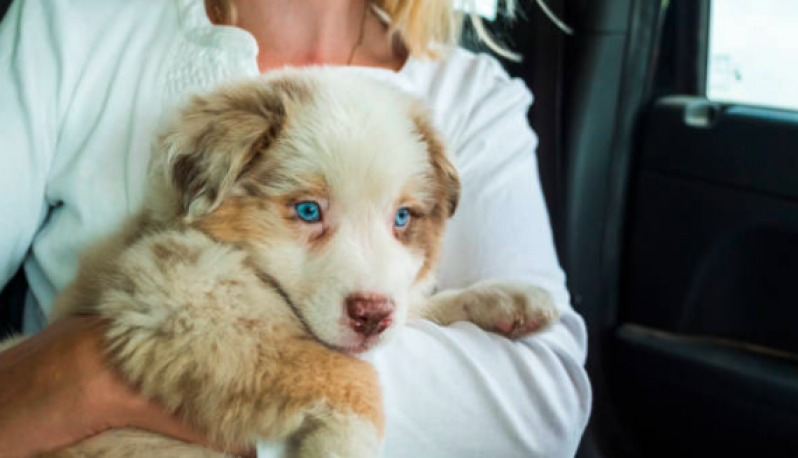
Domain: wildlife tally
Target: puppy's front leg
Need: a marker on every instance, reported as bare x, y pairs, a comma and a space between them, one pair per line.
341, 435
510, 308
337, 398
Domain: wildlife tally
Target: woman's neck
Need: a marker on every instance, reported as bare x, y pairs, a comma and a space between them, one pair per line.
317, 32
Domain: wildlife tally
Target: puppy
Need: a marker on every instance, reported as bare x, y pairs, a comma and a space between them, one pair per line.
291, 222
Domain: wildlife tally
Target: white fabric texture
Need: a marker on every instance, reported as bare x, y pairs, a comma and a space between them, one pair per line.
84, 85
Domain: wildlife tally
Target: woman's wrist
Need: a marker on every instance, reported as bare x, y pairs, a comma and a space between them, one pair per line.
56, 389
47, 389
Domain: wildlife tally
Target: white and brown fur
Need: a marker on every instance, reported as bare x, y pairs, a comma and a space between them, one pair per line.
226, 308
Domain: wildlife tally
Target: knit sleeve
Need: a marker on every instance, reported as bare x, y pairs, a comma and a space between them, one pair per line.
30, 68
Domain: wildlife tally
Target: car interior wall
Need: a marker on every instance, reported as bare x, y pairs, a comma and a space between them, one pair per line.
609, 65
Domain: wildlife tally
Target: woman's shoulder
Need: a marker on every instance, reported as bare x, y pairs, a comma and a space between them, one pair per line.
457, 59
471, 76
465, 90
76, 38
74, 20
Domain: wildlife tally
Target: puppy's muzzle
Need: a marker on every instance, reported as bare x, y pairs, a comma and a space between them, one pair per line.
370, 314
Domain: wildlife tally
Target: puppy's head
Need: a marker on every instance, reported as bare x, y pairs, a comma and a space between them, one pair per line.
337, 185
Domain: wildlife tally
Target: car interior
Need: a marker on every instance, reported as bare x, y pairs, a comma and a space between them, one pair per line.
675, 212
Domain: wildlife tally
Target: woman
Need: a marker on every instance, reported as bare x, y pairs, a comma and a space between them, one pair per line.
84, 85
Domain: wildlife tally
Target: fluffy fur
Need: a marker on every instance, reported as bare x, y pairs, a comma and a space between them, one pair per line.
227, 308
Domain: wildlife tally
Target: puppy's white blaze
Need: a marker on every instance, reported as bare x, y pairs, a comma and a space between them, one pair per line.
344, 132
386, 266
361, 256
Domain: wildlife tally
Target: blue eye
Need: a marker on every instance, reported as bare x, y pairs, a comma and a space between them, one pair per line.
308, 212
402, 217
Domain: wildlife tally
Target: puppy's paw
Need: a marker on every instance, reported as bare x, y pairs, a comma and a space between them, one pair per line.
341, 436
512, 309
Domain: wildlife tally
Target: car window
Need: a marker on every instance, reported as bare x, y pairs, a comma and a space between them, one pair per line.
753, 52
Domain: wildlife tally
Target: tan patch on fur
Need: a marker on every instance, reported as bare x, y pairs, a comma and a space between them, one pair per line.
298, 91
234, 221
321, 240
427, 232
168, 254
219, 137
311, 372
446, 175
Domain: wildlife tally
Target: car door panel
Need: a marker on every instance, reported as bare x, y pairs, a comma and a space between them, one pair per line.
705, 358
706, 397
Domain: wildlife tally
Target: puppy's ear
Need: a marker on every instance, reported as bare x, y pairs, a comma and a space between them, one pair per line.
218, 136
446, 175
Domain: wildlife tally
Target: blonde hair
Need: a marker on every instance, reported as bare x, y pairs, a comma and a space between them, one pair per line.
421, 25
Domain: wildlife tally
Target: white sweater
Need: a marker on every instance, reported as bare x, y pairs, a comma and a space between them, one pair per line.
84, 85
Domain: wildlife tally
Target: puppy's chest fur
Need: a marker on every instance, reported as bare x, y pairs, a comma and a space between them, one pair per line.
176, 281
197, 326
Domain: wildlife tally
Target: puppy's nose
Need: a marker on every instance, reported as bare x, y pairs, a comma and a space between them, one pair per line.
370, 313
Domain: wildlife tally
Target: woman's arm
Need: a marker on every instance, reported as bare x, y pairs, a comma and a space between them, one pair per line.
459, 392
28, 127
55, 388
42, 379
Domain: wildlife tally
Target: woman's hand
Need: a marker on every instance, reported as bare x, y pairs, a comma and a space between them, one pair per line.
56, 390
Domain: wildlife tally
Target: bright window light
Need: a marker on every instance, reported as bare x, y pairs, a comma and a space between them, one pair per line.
753, 52
484, 8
